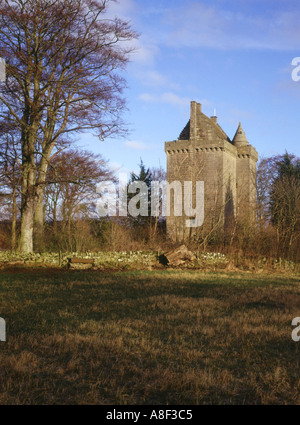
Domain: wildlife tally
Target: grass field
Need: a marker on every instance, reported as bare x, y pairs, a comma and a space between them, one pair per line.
148, 337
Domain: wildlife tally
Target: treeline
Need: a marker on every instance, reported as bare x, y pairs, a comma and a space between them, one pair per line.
67, 219
275, 230
278, 206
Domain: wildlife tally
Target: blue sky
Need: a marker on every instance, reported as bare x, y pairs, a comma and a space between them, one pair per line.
232, 56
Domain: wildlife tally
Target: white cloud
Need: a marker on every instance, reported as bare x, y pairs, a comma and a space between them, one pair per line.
115, 166
121, 172
144, 50
136, 145
153, 78
232, 116
170, 98
124, 9
144, 53
198, 25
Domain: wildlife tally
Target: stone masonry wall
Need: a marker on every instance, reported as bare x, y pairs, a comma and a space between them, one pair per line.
228, 172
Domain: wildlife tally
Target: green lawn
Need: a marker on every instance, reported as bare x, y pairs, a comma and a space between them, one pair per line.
148, 337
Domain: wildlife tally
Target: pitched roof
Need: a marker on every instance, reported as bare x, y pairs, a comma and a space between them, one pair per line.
207, 123
185, 134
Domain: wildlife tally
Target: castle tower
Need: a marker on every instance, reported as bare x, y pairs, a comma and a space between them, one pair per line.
245, 175
204, 152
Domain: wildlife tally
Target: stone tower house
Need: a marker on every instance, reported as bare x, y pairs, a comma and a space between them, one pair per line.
204, 152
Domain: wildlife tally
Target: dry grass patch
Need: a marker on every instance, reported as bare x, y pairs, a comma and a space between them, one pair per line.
149, 338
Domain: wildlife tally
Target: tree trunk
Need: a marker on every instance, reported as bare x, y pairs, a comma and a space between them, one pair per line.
28, 202
39, 221
39, 242
27, 213
14, 221
54, 216
69, 233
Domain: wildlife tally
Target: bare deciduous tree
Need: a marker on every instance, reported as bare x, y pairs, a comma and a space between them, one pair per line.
62, 62
71, 185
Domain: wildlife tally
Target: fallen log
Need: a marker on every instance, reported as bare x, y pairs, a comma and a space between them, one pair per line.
177, 256
81, 260
80, 263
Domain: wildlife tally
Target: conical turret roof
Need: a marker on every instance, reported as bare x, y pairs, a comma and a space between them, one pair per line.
240, 138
